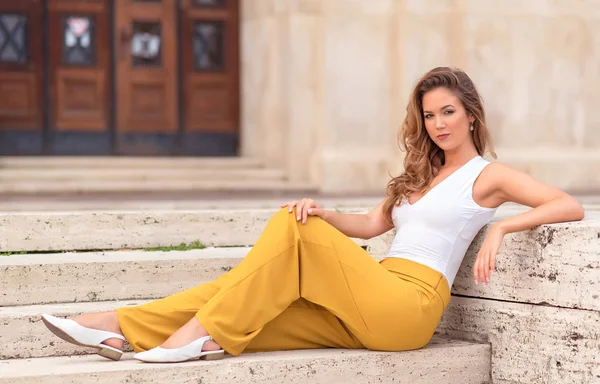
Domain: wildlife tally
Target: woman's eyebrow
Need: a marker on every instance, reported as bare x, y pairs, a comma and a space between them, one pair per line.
444, 107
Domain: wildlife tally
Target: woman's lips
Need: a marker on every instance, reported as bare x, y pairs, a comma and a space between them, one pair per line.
444, 136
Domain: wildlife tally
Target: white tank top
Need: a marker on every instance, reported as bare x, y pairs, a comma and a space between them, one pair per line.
437, 229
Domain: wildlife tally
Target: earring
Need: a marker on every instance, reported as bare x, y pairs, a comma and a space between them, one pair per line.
472, 129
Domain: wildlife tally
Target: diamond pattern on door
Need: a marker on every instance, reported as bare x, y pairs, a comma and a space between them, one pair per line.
13, 38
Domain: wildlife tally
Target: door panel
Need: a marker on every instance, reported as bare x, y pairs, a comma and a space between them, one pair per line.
79, 66
210, 64
129, 77
21, 66
146, 73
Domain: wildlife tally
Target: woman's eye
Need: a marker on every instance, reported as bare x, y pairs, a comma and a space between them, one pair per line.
428, 116
449, 112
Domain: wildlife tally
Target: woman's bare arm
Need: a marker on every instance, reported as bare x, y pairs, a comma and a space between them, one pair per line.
550, 205
362, 226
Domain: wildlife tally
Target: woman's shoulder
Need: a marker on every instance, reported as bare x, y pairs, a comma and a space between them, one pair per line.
491, 180
497, 169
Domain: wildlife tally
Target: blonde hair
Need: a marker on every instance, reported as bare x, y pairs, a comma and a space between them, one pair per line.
423, 157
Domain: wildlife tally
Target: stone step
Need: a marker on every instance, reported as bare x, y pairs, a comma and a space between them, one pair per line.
67, 231
530, 343
121, 162
39, 175
34, 187
76, 277
106, 276
441, 362
24, 335
136, 202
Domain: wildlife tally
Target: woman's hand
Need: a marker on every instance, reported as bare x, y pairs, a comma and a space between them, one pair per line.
305, 208
486, 258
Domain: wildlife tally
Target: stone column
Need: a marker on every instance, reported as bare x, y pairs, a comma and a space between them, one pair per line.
360, 96
264, 55
281, 85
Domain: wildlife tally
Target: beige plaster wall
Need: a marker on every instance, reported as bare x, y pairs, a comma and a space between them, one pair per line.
325, 83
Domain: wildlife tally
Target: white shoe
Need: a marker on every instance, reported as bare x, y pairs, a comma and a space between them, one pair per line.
192, 351
71, 331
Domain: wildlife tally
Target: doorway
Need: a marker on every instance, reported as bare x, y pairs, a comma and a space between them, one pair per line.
122, 77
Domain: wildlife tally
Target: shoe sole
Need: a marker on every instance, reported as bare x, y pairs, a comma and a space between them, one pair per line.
104, 351
216, 355
207, 356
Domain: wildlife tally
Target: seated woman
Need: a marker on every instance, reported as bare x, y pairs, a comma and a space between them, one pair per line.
306, 284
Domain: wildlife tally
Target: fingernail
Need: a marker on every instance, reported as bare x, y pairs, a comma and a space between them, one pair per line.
310, 211
290, 210
476, 283
297, 217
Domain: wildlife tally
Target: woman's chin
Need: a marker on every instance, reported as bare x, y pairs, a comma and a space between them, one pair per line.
444, 146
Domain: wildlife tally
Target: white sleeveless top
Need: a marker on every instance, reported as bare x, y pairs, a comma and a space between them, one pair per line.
437, 229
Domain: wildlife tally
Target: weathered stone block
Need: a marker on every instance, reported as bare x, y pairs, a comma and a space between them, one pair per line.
441, 362
557, 264
106, 276
530, 343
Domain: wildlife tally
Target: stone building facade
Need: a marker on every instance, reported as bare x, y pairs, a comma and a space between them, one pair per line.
316, 88
325, 83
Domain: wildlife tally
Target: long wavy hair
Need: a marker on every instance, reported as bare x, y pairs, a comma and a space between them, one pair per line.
423, 157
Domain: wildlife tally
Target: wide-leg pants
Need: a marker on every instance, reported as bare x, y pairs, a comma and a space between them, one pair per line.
302, 286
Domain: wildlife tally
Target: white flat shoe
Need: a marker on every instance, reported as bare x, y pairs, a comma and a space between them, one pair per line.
71, 331
192, 351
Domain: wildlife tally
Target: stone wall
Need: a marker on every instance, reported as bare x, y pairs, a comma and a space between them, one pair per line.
325, 83
541, 310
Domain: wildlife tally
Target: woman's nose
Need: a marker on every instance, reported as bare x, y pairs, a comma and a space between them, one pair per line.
439, 123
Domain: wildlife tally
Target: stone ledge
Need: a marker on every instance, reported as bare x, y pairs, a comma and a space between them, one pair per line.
66, 231
120, 162
153, 186
103, 276
107, 175
441, 362
25, 336
555, 264
530, 344
57, 231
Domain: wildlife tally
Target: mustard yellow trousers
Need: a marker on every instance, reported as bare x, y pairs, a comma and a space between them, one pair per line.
302, 286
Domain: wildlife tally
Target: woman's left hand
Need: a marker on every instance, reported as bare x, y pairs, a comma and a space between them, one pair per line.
486, 258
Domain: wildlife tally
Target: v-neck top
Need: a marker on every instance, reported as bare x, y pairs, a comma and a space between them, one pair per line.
437, 229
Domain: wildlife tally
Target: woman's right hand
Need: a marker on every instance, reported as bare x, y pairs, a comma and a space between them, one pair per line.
304, 208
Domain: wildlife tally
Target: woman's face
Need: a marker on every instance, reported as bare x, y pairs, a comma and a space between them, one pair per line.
446, 119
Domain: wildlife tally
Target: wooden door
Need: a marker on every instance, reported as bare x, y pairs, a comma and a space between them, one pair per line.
146, 76
21, 76
210, 75
79, 68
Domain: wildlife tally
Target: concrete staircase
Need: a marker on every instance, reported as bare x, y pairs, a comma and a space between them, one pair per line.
83, 280
89, 175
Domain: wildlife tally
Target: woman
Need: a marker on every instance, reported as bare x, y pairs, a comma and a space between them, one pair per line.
305, 284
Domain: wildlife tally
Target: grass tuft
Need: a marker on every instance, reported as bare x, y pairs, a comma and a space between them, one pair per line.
13, 253
181, 247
